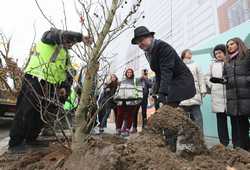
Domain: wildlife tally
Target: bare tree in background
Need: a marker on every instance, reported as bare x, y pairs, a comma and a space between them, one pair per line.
9, 70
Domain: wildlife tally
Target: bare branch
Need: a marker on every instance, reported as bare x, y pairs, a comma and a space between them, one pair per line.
45, 17
65, 16
32, 46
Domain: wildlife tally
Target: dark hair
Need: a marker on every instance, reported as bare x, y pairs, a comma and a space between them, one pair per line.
114, 76
145, 71
220, 47
184, 52
113, 84
242, 48
130, 69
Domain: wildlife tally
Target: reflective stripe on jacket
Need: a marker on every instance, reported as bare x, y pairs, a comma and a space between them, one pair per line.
48, 62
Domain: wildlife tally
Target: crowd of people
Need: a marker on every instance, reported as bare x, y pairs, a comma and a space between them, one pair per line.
125, 98
227, 81
178, 82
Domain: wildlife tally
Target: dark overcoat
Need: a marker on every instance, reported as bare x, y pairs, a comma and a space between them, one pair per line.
237, 74
173, 78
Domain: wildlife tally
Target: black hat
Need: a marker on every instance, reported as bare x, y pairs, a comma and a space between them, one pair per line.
220, 47
140, 32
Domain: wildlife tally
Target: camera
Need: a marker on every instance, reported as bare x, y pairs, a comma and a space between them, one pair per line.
145, 72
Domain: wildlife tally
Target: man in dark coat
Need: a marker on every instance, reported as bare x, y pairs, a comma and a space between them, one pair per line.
174, 81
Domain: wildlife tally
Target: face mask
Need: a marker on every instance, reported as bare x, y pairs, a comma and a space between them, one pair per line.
185, 60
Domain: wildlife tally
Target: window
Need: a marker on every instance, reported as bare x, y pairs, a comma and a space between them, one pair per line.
238, 13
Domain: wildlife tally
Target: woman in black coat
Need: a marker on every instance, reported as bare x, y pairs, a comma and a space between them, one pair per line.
237, 80
106, 101
237, 74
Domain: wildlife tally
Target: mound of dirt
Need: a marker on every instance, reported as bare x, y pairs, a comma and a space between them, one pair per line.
146, 150
175, 119
140, 152
238, 158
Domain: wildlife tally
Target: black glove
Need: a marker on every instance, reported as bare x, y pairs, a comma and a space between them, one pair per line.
217, 80
162, 98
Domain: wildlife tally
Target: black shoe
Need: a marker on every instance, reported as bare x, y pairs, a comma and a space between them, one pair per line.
14, 141
144, 124
17, 149
101, 130
38, 143
170, 139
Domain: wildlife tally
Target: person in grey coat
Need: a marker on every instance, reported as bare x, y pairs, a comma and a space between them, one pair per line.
237, 79
193, 105
218, 93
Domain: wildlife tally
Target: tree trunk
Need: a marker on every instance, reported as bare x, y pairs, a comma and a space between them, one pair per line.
84, 105
87, 95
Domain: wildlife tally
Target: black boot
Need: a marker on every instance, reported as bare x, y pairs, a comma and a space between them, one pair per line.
15, 142
16, 146
37, 143
144, 124
170, 139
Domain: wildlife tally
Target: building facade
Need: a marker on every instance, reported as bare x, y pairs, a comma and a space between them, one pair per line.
195, 24
183, 24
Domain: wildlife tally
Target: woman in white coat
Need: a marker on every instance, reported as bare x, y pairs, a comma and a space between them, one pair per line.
218, 93
192, 106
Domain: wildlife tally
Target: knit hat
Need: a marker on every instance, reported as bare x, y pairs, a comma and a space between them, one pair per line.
220, 47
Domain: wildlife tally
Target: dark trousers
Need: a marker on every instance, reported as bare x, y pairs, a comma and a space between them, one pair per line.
240, 131
27, 122
222, 128
195, 115
124, 114
143, 105
115, 115
135, 117
103, 115
156, 103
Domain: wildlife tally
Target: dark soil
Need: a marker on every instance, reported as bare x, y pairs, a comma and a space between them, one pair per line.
52, 157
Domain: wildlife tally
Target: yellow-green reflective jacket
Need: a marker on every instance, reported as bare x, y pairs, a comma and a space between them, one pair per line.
48, 62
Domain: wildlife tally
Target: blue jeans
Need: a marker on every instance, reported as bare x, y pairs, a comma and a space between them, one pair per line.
103, 115
195, 114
